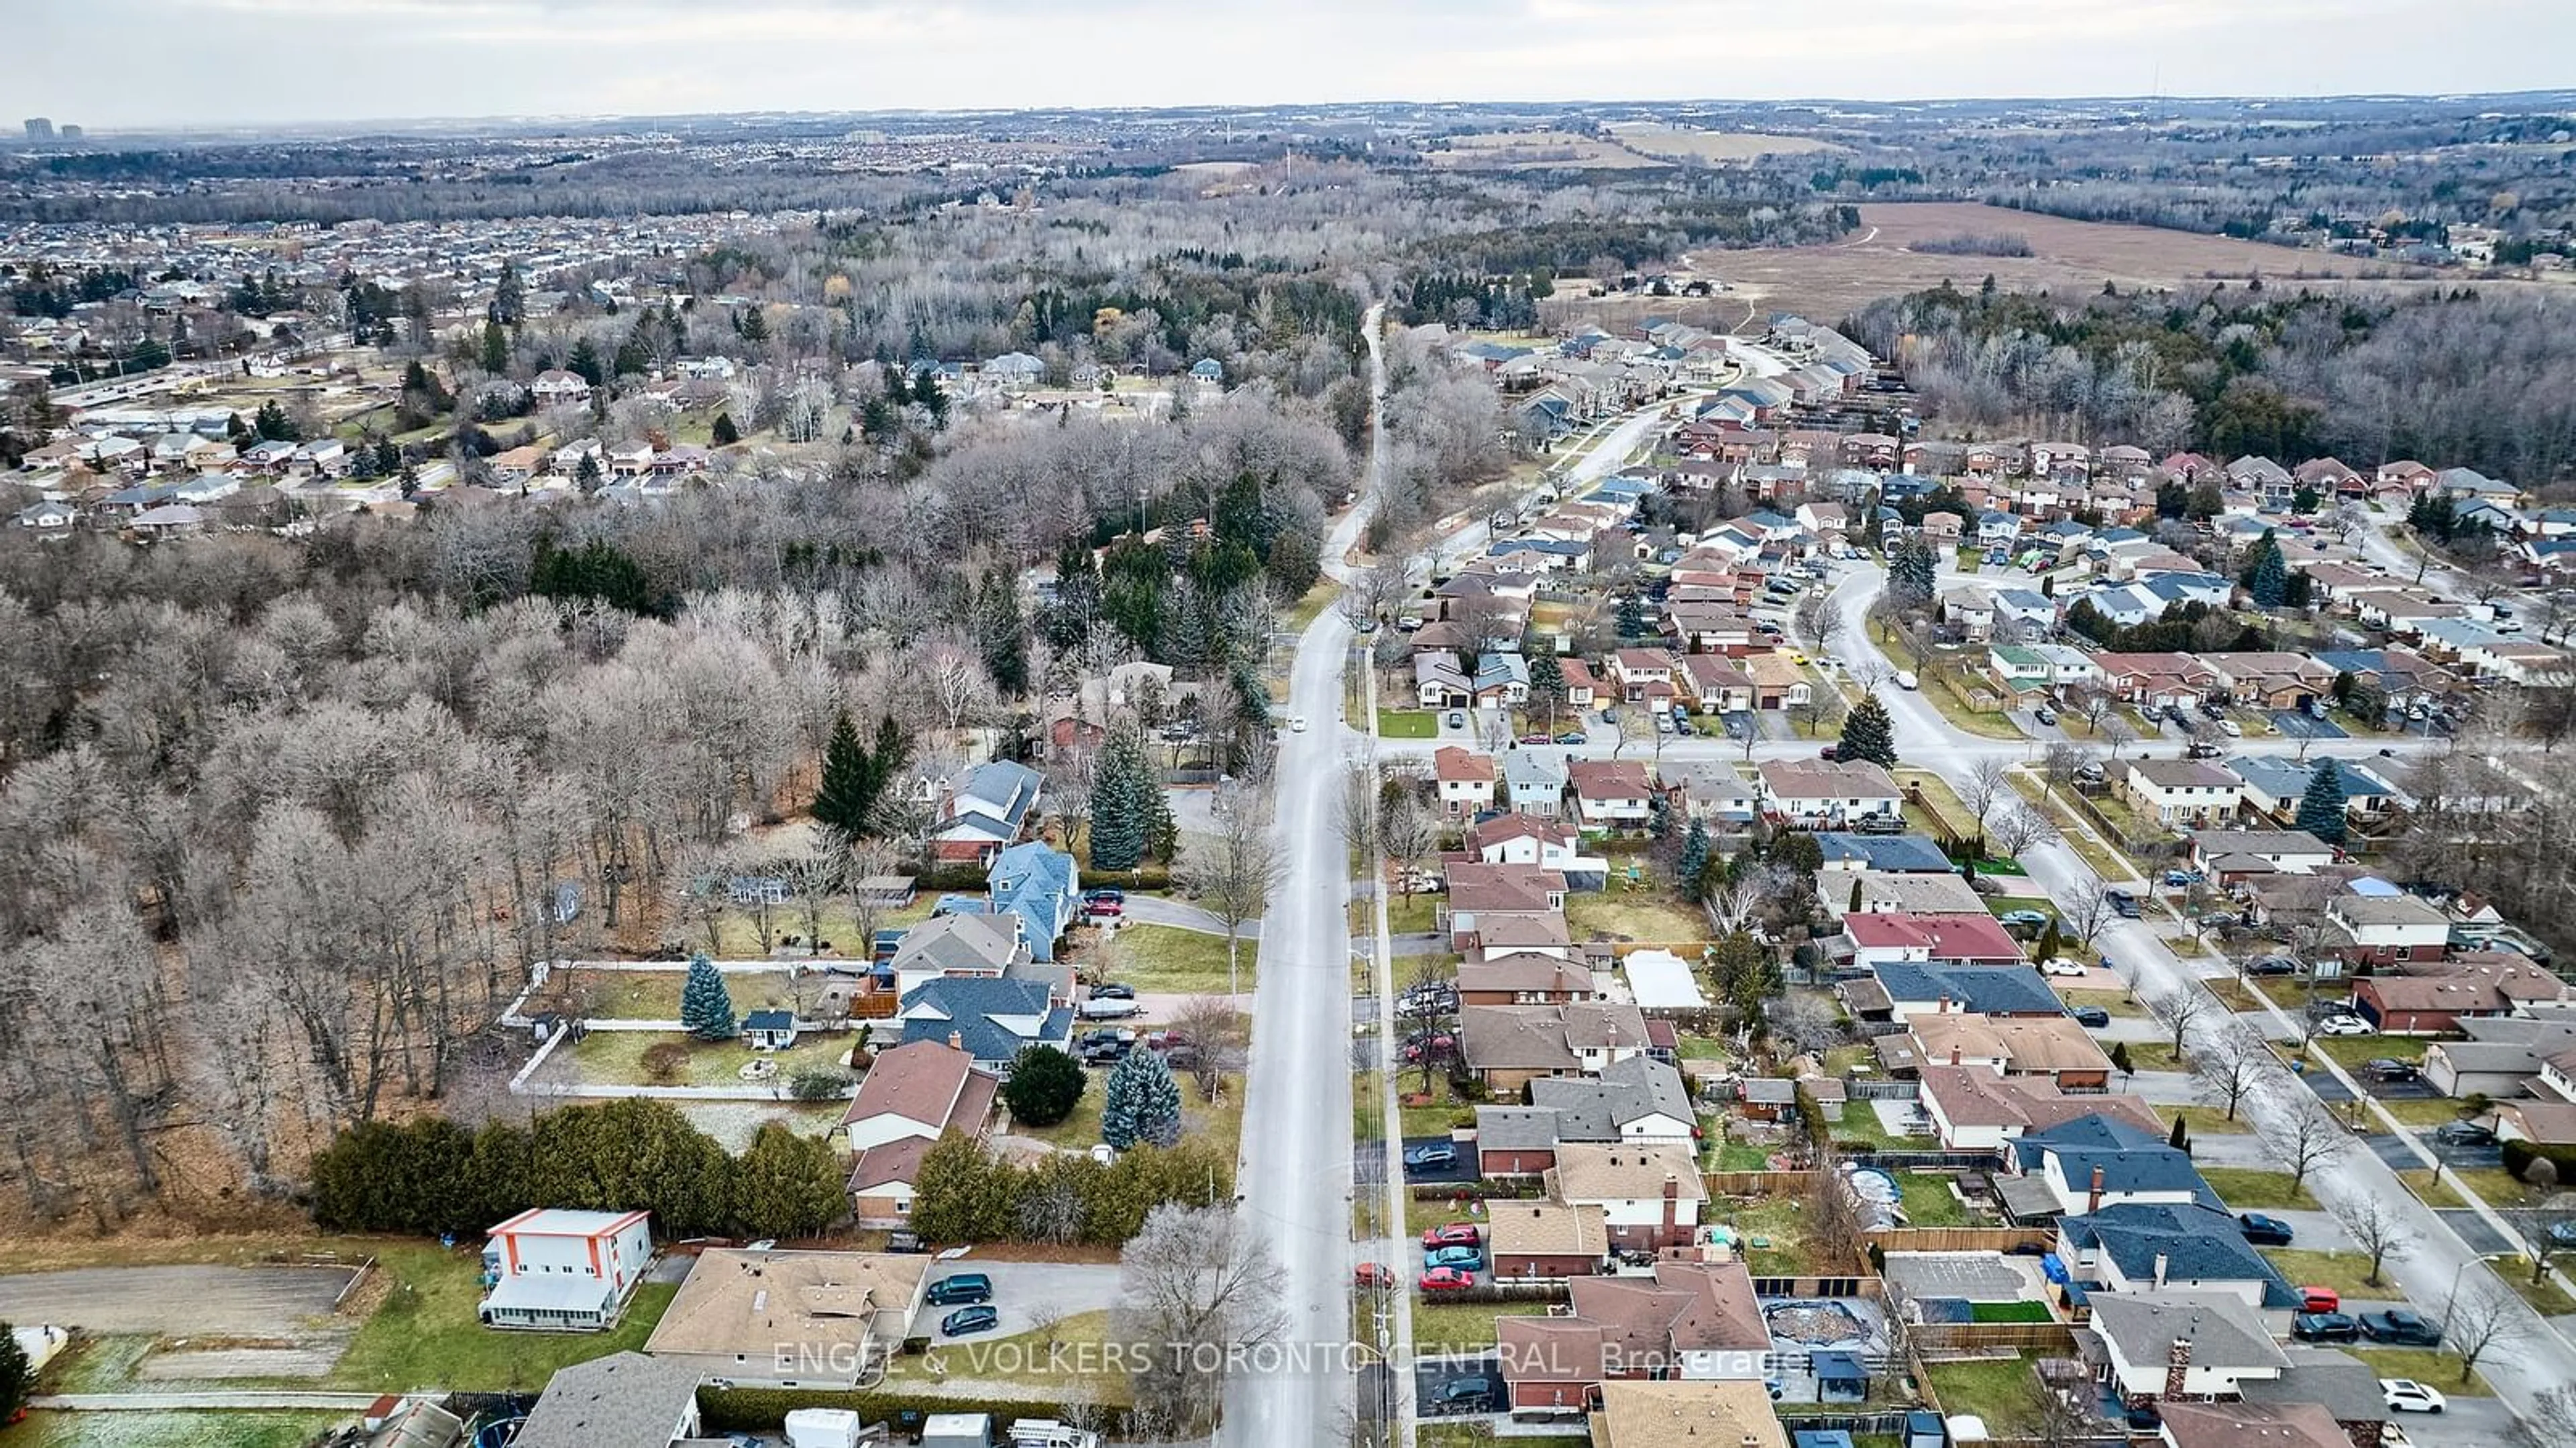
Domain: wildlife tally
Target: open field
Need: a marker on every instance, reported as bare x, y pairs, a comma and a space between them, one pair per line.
1682, 144
1167, 960
2071, 257
1535, 151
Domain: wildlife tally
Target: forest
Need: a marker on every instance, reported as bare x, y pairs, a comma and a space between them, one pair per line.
2479, 378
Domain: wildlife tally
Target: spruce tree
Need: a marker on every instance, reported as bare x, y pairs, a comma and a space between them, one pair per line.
17, 1377
2180, 1137
584, 363
1547, 686
1694, 853
1852, 905
1632, 616
496, 349
1140, 1102
1868, 733
2052, 941
1044, 1086
2267, 576
846, 797
1913, 573
1001, 635
1128, 812
706, 1007
725, 434
2321, 806
2120, 1058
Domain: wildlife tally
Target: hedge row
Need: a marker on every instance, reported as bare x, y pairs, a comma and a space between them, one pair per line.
765, 1410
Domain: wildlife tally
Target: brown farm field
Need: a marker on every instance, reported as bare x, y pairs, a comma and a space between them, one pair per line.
2074, 257
1536, 151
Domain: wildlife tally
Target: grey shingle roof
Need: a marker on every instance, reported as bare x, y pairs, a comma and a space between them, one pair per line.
626, 1400
2223, 1329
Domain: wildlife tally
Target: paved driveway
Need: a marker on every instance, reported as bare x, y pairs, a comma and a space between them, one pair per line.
256, 1302
1022, 1291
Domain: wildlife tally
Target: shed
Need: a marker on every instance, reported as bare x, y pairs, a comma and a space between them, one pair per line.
1820, 1438
1840, 1377
1661, 982
769, 1030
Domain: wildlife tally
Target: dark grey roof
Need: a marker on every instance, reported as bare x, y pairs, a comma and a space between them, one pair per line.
1595, 1108
1978, 989
2198, 1243
2340, 1383
626, 1400
1516, 1128
2223, 1329
1897, 853
2131, 1159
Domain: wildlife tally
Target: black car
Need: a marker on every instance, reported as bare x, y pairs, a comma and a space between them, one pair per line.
2092, 1017
969, 1319
2464, 1133
1113, 992
1104, 896
2123, 904
1463, 1393
2271, 965
2402, 1328
2385, 1068
2324, 1327
2263, 1231
959, 1287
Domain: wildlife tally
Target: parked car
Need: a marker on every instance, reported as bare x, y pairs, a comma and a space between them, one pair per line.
2324, 1327
2401, 1327
2320, 1299
2182, 879
2388, 1068
1107, 1008
1431, 1154
1457, 718
1104, 909
959, 1287
2026, 919
1538, 739
2271, 965
2405, 1395
1454, 1234
1446, 1279
2123, 904
2092, 1018
1372, 1274
2044, 715
2345, 1024
1297, 723
2201, 749
1104, 896
2062, 966
1111, 990
2231, 729
1463, 1393
1571, 736
2469, 1133
2263, 1231
1466, 1259
1905, 679
969, 1319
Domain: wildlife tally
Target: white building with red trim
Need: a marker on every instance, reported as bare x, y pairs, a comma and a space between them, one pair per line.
565, 1271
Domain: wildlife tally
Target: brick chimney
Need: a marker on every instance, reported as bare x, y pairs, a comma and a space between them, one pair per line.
956, 1041
2093, 1200
1954, 1053
2177, 1357
1672, 1210
1944, 1008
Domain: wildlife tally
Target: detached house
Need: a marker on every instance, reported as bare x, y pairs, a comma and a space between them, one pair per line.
1534, 782
2183, 791
1827, 794
1687, 1323
1507, 1047
1465, 779
913, 1095
983, 810
1610, 794
1649, 1194
2381, 925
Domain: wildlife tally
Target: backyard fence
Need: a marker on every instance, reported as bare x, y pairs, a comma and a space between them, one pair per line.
2054, 1339
1883, 1090
1957, 1239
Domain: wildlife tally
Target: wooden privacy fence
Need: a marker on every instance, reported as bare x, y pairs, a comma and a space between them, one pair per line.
1958, 1239
2054, 1339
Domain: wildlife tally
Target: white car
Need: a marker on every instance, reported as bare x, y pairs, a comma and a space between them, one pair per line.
2231, 729
2405, 1395
1107, 1009
2343, 1026
1297, 723
2061, 967
1905, 679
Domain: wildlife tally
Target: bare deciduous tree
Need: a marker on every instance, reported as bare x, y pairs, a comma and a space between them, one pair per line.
2021, 827
2180, 1009
1986, 783
2379, 1227
2231, 1066
1233, 871
2302, 1135
2482, 1316
1196, 1286
1214, 1028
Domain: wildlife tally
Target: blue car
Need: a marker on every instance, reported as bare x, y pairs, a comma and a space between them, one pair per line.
1466, 1259
1432, 1154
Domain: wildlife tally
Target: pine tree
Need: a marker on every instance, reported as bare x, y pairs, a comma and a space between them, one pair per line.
496, 350
1852, 905
585, 363
846, 797
17, 1376
1868, 733
1547, 686
1694, 853
725, 434
2052, 941
1913, 573
2120, 1058
585, 474
1632, 616
2267, 575
1044, 1086
706, 1007
2321, 806
1128, 811
1002, 636
1140, 1102
274, 425
509, 298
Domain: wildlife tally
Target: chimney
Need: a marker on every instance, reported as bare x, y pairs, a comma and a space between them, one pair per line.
2093, 1203
1945, 1005
2177, 1357
956, 1042
1954, 1053
2161, 1263
1672, 1209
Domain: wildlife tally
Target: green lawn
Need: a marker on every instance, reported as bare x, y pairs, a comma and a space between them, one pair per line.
1168, 960
2003, 1391
2494, 1184
617, 1058
1408, 724
426, 1334
1743, 1156
174, 1429
1700, 1048
1463, 1326
2432, 1193
2005, 904
2430, 1366
2155, 1056
2351, 1051
2117, 1002
2207, 1120
2428, 1112
2234, 994
2250, 1189
1480, 1435
1774, 1229
1030, 1355
1646, 915
1218, 1122
618, 995
1929, 1201
2342, 1271
1412, 914
1861, 1123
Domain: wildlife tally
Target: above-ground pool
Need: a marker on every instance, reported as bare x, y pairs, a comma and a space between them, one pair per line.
1813, 1323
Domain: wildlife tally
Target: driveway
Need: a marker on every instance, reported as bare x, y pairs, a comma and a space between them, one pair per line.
250, 1302
1023, 1290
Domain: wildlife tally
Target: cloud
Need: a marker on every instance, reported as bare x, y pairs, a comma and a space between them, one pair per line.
215, 62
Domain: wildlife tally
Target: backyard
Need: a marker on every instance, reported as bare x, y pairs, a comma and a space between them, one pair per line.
1044, 1358
2002, 1391
1633, 914
629, 995
1217, 1123
426, 1331
1464, 1326
618, 1058
258, 1429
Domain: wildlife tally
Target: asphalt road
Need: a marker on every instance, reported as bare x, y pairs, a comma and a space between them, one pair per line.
2536, 1355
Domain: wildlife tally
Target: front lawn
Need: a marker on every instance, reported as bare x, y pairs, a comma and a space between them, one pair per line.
1415, 914
203, 1428
2117, 1002
2430, 1366
1464, 1326
1217, 1123
2156, 1056
2208, 1120
2342, 1271
1045, 1358
2252, 1189
1645, 915
2234, 994
2430, 1192
2002, 1391
627, 995
2493, 1184
426, 1333
1408, 724
1167, 960
2350, 1052
2421, 1114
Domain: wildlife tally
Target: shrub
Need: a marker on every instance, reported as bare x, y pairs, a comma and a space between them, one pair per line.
664, 1061
816, 1084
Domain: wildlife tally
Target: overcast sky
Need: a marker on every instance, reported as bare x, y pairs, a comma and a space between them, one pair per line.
112, 63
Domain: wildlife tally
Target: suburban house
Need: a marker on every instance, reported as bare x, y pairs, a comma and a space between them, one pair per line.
2055, 1048
1642, 674
992, 1020
1905, 854
1544, 1240
1883, 939
2182, 791
1519, 839
1692, 1322
1638, 1099
1973, 1109
912, 1095
564, 1271
1878, 892
2229, 855
966, 943
983, 810
1466, 780
1635, 1414
2377, 923
557, 386
624, 1400
1507, 1047
2445, 997
2542, 1121
846, 1314
1524, 978
1478, 890
1040, 885
2092, 1162
1827, 793
2211, 1341
1438, 682
1902, 990
2292, 1423
1534, 782
2145, 1247
1649, 1193
2273, 786
1610, 794
2502, 1055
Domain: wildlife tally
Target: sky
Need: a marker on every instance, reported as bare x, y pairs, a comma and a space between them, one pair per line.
209, 63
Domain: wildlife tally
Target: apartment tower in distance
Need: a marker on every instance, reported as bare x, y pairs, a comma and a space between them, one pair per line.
39, 129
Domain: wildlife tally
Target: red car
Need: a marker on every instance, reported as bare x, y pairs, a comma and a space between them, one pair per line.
1373, 1274
1446, 1279
1456, 1234
1098, 909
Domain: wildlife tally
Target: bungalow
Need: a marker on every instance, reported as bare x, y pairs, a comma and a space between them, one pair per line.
991, 1020
1635, 1099
1877, 939
1465, 780
2541, 1122
1523, 978
2231, 855
2274, 785
2211, 1341
1581, 686
1890, 854
2437, 1003
1477, 890
1697, 1325
1900, 990
2183, 791
1875, 892
1610, 794
2500, 1057
2051, 1048
1712, 792
2144, 1247
1507, 1047
1544, 1241
1973, 1109
1828, 793
2158, 678
1519, 839
2271, 680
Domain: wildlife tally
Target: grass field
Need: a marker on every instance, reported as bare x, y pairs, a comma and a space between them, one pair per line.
2429, 1191
2430, 1366
2117, 1002
2207, 1120
1463, 1326
1775, 1235
174, 1429
1929, 1201
1218, 1123
2343, 1271
1633, 915
616, 995
2250, 1189
2002, 1391
1679, 143
2350, 1051
1169, 960
1411, 914
1408, 724
426, 1331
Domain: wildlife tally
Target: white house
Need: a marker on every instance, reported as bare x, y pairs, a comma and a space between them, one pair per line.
1829, 793
2183, 791
1465, 779
565, 1271
2230, 1343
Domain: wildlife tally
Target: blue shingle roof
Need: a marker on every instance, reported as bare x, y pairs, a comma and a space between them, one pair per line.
1984, 989
2131, 1159
1038, 884
2198, 1244
967, 1006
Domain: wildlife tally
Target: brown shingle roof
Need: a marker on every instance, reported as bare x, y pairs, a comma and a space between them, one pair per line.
930, 1082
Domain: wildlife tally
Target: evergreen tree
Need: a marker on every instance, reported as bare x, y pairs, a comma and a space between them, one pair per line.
2267, 573
17, 1377
2321, 805
960, 1193
1913, 573
933, 401
2180, 1137
1044, 1086
496, 350
2052, 940
273, 425
1140, 1102
725, 434
389, 458
786, 1185
846, 799
509, 298
1694, 853
1547, 687
1632, 616
752, 323
1852, 905
585, 363
585, 474
1128, 811
1868, 733
876, 419
2120, 1058
706, 1007
1001, 634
